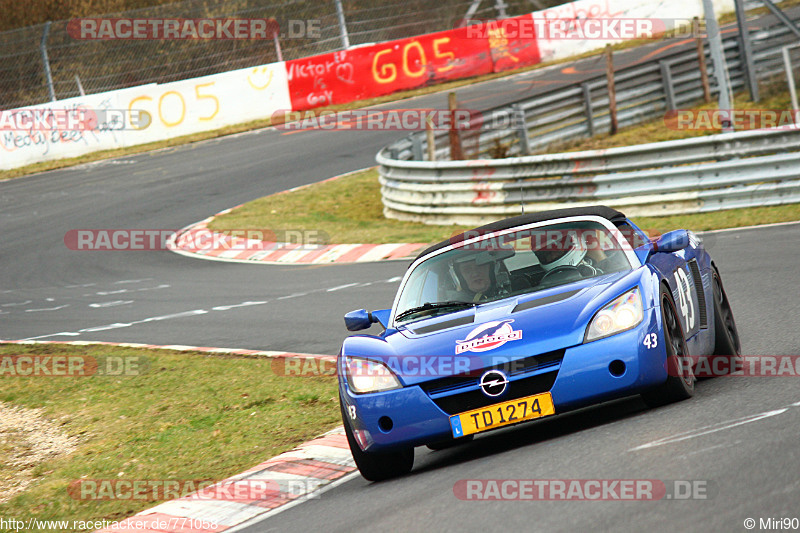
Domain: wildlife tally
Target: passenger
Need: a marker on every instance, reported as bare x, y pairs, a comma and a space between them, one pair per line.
588, 260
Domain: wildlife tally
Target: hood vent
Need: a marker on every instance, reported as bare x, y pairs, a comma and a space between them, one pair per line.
460, 321
530, 304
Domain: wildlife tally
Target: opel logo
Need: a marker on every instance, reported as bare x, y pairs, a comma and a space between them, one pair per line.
493, 383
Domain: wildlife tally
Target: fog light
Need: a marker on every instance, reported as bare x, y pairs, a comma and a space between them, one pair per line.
385, 423
617, 368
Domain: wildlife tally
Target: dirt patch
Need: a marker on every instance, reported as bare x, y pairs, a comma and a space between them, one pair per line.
27, 439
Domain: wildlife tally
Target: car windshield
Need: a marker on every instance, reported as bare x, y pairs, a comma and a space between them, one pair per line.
509, 264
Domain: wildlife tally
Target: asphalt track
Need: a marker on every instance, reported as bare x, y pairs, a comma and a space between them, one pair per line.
52, 293
747, 464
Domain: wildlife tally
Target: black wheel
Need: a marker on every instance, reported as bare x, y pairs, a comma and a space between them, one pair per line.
725, 333
377, 466
449, 443
680, 377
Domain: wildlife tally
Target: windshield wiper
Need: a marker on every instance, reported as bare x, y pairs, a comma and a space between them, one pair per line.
428, 306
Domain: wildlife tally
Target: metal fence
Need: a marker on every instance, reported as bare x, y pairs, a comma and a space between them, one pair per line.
662, 178
575, 111
81, 66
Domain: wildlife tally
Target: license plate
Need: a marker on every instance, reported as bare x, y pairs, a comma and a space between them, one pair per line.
502, 414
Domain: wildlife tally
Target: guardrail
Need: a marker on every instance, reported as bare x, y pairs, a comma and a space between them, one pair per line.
691, 175
720, 171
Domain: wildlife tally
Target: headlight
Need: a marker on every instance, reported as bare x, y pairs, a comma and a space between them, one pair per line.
623, 313
364, 375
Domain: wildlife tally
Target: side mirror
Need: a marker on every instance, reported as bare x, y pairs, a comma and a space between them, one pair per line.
672, 241
358, 320
362, 319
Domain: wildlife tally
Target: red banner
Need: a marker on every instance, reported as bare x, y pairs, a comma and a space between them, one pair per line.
385, 68
379, 69
375, 70
513, 43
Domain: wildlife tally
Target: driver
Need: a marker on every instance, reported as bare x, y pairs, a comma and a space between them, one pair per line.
559, 254
478, 278
588, 260
475, 277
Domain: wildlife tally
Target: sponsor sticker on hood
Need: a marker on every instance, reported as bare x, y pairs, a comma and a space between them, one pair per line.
488, 336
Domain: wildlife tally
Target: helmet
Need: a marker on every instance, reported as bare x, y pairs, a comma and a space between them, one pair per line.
492, 258
571, 254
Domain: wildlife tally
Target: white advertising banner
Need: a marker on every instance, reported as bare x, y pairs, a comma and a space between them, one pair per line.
565, 31
140, 115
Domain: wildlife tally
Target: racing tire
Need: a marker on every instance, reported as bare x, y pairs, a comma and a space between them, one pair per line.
680, 377
726, 335
449, 443
377, 466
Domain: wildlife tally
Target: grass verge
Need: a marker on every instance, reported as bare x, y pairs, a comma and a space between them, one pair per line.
775, 98
345, 210
189, 416
349, 210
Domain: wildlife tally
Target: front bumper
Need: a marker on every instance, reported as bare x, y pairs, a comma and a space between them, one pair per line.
613, 367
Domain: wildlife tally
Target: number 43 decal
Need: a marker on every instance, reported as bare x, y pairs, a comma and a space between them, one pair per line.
651, 340
685, 298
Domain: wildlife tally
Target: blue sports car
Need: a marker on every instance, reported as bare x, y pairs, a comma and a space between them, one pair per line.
524, 318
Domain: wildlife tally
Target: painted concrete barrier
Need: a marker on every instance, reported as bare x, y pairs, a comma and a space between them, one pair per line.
156, 112
141, 115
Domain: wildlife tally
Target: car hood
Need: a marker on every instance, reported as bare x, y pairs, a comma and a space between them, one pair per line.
520, 326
